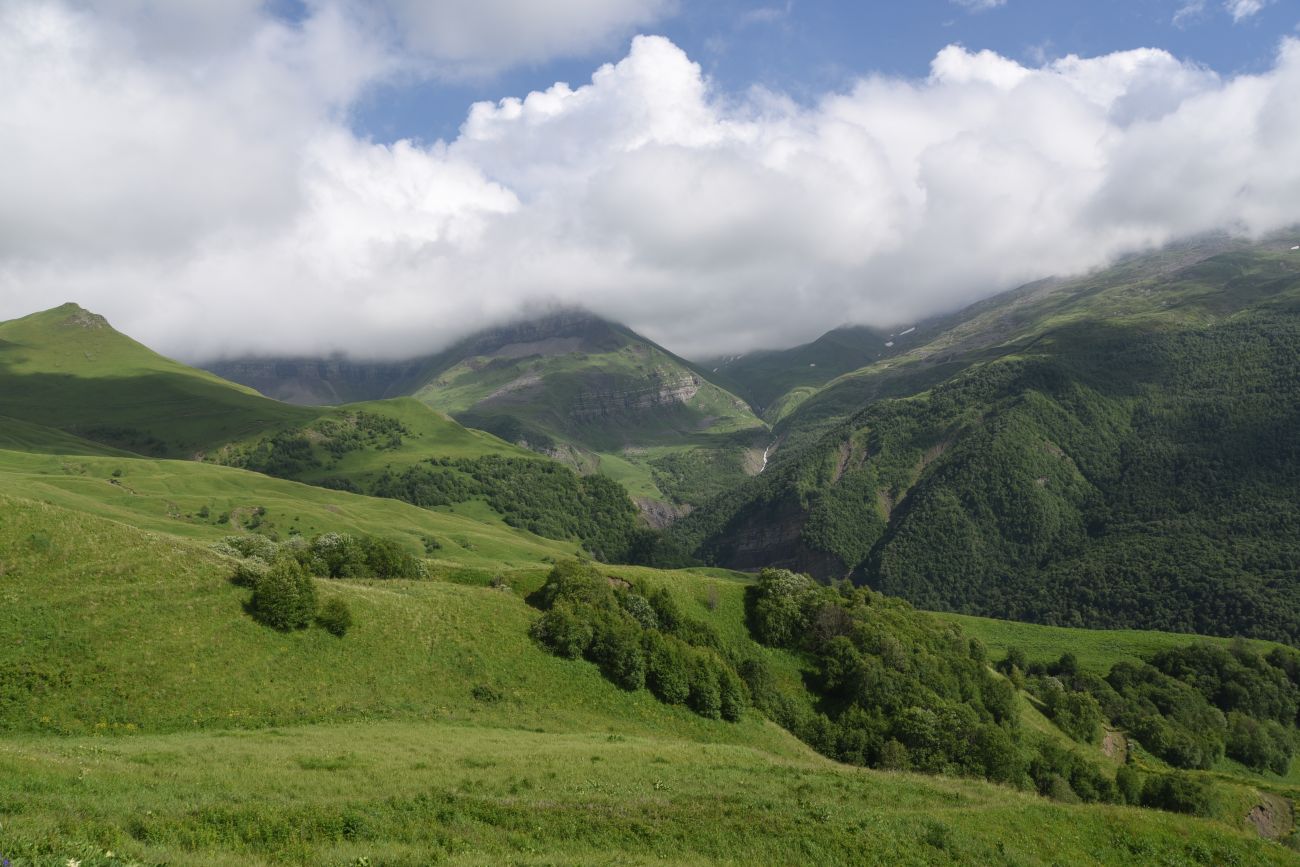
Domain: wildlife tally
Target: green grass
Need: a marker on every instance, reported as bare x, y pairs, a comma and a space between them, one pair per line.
170, 497
433, 792
24, 436
145, 713
1096, 649
66, 368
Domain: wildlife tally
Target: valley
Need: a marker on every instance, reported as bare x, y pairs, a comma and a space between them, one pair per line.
555, 675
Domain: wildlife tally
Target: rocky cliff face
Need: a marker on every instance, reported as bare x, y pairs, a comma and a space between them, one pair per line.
659, 392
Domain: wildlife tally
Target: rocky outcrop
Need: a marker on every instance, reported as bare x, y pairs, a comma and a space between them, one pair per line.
661, 392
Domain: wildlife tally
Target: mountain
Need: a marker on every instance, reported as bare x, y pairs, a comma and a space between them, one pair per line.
1117, 451
68, 369
570, 385
764, 376
324, 381
513, 695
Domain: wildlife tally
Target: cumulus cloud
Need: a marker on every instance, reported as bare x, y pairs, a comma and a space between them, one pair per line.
230, 209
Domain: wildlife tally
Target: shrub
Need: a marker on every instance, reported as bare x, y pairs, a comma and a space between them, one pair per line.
384, 558
617, 649
1077, 714
640, 610
285, 597
1179, 793
338, 555
487, 693
335, 617
666, 669
777, 613
894, 756
732, 699
1128, 783
576, 581
1259, 745
564, 630
705, 698
248, 572
250, 545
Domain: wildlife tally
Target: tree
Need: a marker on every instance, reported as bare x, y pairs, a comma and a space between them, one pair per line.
285, 597
335, 617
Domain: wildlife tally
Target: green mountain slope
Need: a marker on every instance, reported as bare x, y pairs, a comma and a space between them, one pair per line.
762, 377
76, 386
66, 368
1128, 457
569, 385
600, 396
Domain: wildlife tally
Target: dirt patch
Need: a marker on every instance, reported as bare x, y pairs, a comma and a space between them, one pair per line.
657, 513
1115, 745
886, 502
846, 452
933, 453
1273, 817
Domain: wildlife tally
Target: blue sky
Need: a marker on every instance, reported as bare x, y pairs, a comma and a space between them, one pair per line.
805, 48
381, 177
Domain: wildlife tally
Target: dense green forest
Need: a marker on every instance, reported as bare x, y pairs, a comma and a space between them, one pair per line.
1108, 474
542, 497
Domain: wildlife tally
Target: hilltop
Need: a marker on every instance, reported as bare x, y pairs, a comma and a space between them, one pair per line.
67, 368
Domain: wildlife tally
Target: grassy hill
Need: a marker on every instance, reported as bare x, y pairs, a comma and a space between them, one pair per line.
66, 368
73, 385
146, 715
1126, 457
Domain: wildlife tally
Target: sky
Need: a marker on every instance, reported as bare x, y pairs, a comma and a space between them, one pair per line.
381, 177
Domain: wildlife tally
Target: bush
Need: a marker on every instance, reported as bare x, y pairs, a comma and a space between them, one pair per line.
564, 630
705, 698
1179, 793
1128, 783
576, 581
250, 545
731, 695
384, 558
777, 613
616, 648
285, 597
666, 669
335, 617
338, 555
1260, 746
640, 609
1077, 714
248, 572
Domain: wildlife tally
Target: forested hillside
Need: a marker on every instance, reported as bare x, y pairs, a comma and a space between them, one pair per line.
1123, 470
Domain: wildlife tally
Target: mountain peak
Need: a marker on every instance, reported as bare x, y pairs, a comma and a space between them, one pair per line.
76, 316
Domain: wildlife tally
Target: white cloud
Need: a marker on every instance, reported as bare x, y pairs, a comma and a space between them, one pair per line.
230, 209
1190, 11
484, 36
980, 5
1242, 9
